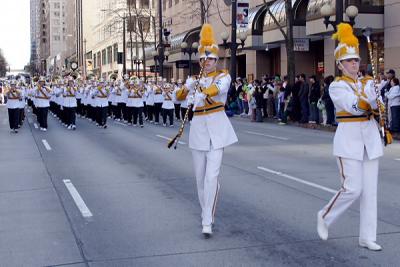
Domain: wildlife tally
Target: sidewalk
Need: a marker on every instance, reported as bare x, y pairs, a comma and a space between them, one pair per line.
314, 126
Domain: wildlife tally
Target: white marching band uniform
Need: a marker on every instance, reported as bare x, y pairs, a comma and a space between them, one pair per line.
357, 146
210, 130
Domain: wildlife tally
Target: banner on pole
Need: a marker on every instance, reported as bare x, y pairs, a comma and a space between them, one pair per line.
242, 16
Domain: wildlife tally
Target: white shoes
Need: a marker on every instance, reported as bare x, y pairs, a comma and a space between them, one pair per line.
322, 228
371, 245
69, 127
207, 231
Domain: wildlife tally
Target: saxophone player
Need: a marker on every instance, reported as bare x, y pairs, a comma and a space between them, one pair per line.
357, 144
42, 96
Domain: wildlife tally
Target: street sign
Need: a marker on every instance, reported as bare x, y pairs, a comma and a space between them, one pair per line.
242, 17
301, 44
182, 64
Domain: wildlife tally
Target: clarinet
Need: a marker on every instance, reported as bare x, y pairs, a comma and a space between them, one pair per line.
384, 129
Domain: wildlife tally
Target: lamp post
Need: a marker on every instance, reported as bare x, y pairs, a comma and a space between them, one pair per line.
327, 10
189, 50
155, 56
233, 46
123, 37
137, 62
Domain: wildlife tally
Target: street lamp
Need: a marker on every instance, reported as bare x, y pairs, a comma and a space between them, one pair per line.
189, 50
233, 46
327, 10
154, 53
137, 62
123, 36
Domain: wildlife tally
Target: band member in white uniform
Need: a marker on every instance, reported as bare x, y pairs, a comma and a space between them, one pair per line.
210, 130
357, 144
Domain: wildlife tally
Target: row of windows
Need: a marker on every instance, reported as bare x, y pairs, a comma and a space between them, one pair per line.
106, 56
140, 3
164, 3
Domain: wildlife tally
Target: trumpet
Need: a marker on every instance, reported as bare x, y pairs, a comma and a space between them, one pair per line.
383, 123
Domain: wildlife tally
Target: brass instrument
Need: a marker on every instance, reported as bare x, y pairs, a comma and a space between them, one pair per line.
385, 133
175, 140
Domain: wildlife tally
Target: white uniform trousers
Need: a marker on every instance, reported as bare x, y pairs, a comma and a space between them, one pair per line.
359, 180
207, 165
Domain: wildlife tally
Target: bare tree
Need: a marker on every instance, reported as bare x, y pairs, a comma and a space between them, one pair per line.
288, 36
198, 9
141, 19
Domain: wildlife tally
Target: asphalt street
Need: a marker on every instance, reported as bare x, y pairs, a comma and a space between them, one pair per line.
119, 197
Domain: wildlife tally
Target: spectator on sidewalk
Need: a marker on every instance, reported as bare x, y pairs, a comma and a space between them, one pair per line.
239, 94
330, 108
303, 95
393, 97
315, 95
281, 102
258, 96
264, 88
391, 74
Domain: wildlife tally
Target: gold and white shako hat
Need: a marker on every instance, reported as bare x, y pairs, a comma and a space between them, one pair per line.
348, 46
208, 46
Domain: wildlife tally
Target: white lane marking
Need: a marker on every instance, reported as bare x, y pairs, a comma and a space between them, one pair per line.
397, 159
86, 213
120, 123
46, 145
169, 139
298, 180
35, 125
267, 135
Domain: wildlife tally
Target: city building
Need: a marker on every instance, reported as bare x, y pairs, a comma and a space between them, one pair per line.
264, 51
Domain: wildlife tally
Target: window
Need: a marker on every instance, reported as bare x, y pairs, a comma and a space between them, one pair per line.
56, 13
145, 24
176, 2
103, 57
169, 3
109, 54
144, 3
131, 24
115, 52
56, 37
57, 5
98, 59
131, 3
164, 4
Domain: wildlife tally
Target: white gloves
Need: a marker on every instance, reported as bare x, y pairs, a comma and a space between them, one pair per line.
203, 83
190, 100
199, 99
190, 83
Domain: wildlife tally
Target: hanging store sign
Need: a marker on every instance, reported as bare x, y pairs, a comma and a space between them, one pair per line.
242, 16
301, 45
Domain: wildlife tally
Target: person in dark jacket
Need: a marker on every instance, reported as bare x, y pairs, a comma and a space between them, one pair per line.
303, 95
315, 95
330, 108
259, 97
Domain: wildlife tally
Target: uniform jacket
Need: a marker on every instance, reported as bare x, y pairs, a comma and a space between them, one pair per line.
212, 130
353, 138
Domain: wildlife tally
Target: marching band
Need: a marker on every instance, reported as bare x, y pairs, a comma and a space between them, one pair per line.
132, 100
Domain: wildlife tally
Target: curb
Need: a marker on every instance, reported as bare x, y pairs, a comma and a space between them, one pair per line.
313, 126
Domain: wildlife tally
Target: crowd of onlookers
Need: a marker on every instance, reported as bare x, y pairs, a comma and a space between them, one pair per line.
307, 101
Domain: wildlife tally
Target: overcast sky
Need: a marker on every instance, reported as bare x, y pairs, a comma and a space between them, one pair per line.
14, 32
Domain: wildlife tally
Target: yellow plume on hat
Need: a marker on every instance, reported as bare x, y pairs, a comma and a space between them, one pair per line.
207, 35
348, 43
208, 46
345, 35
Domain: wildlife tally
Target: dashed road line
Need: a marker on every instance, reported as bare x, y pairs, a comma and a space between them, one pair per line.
281, 174
267, 135
46, 145
169, 139
86, 213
